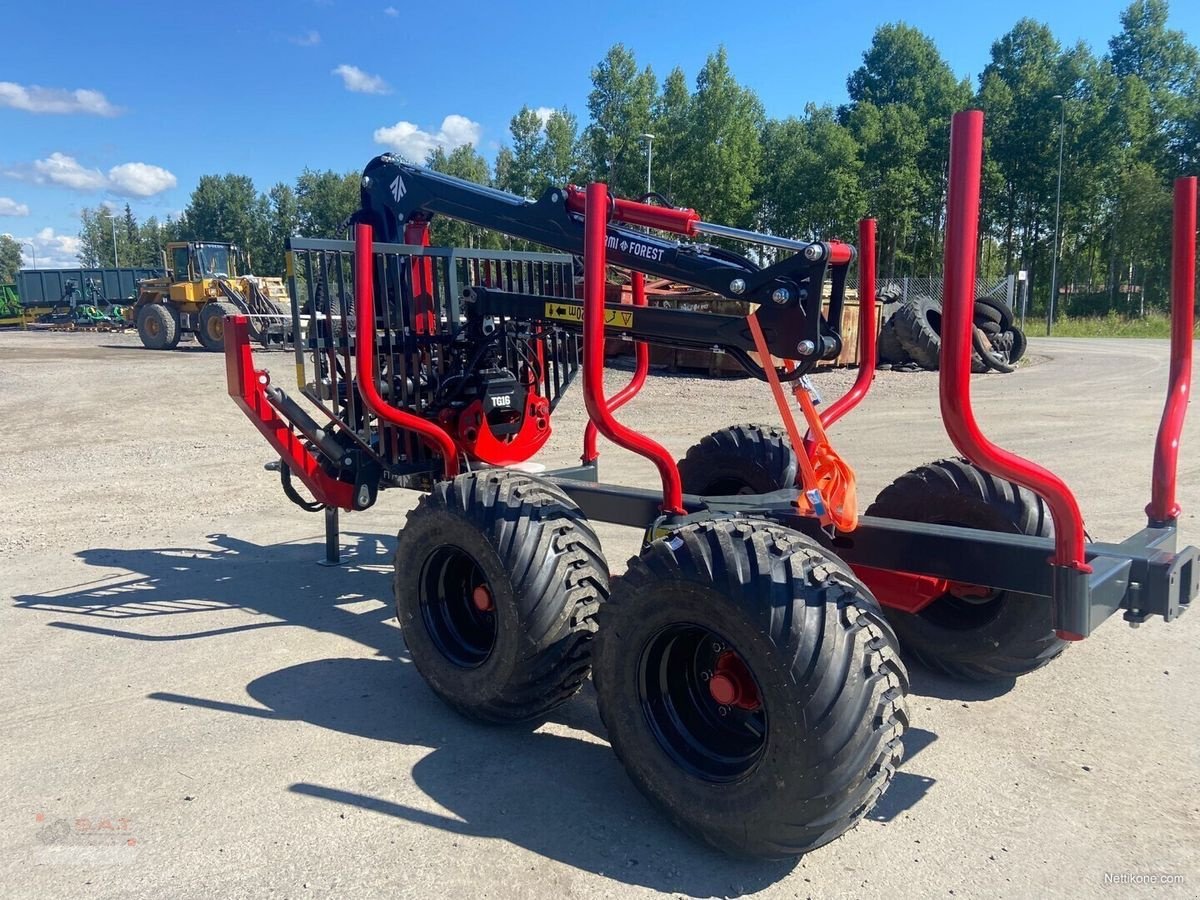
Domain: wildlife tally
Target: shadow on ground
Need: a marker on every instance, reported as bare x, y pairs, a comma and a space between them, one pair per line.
564, 797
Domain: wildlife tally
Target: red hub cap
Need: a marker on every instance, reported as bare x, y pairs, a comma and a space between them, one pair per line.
732, 684
481, 597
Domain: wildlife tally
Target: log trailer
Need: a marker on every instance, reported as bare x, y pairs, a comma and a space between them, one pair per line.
747, 663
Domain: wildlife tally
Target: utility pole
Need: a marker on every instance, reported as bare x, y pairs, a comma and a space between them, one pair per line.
649, 139
32, 249
1062, 121
113, 221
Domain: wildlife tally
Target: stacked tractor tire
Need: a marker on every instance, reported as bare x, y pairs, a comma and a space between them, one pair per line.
911, 336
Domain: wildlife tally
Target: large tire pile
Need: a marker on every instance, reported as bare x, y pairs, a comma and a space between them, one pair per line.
911, 336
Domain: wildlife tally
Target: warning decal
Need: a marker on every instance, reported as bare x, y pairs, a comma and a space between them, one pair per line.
573, 312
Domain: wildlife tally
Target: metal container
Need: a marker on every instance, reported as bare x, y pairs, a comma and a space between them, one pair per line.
45, 287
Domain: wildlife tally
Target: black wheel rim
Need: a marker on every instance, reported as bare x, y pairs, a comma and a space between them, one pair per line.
715, 742
460, 624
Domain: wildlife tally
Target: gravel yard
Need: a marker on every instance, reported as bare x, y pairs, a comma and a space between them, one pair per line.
194, 708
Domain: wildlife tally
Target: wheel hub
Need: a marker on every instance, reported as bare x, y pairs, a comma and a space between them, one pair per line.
731, 683
481, 597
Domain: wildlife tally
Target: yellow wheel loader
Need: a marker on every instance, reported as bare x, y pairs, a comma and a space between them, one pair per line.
205, 282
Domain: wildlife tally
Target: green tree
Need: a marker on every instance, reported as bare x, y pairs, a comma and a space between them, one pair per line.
285, 223
1017, 93
1161, 57
904, 83
558, 159
521, 170
812, 177
671, 126
619, 104
228, 208
10, 258
721, 170
324, 201
138, 245
461, 162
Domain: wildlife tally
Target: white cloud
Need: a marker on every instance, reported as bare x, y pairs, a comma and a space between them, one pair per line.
10, 207
544, 113
52, 250
310, 38
355, 79
37, 99
131, 179
58, 168
415, 144
138, 179
391, 11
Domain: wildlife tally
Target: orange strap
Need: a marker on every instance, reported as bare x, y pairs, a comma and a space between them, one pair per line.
827, 481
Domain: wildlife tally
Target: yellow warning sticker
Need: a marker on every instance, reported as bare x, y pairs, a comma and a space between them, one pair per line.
573, 312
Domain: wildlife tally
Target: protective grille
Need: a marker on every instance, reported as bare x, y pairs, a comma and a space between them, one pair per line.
423, 332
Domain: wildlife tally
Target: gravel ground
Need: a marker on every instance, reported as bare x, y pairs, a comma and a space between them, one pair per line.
193, 708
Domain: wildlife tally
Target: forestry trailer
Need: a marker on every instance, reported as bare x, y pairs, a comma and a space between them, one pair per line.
746, 663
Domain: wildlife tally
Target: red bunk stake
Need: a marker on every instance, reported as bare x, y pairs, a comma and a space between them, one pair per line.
866, 327
1163, 508
962, 223
364, 299
640, 371
595, 234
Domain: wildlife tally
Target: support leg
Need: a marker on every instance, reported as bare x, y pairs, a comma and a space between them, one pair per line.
333, 551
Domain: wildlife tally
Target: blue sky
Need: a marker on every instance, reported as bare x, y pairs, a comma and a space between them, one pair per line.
132, 101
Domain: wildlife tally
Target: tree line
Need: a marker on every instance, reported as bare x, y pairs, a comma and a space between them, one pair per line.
1129, 122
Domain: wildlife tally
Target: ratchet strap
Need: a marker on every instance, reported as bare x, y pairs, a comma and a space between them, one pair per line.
826, 481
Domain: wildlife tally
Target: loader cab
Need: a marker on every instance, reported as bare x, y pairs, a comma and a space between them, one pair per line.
199, 260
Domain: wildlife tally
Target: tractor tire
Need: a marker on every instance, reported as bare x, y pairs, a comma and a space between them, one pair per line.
751, 687
498, 579
991, 309
918, 324
988, 327
158, 327
1020, 343
741, 459
995, 637
211, 333
888, 346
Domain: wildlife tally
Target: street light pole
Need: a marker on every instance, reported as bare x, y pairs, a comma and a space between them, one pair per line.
649, 139
32, 248
113, 220
1062, 122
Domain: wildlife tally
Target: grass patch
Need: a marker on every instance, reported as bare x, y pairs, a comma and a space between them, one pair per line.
1154, 325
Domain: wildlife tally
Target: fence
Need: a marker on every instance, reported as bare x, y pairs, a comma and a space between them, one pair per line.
931, 286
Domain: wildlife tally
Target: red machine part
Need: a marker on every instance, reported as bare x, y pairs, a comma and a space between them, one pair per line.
962, 221
664, 218
1163, 506
640, 371
470, 428
248, 387
866, 328
364, 298
481, 598
683, 221
594, 260
424, 306
731, 683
